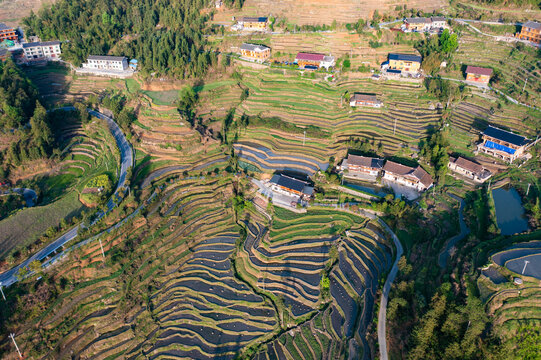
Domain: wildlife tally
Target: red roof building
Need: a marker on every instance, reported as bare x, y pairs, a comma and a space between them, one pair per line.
312, 59
478, 74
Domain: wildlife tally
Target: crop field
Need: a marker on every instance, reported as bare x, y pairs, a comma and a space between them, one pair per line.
288, 263
306, 102
520, 64
323, 12
195, 306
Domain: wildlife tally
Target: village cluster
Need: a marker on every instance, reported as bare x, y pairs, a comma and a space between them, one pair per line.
495, 142
406, 181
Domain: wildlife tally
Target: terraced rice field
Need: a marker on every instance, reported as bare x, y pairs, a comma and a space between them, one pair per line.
192, 305
288, 261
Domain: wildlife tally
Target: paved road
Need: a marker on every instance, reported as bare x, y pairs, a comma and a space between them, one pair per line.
382, 316
7, 278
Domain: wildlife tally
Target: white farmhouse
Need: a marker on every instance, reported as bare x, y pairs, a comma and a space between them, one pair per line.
48, 50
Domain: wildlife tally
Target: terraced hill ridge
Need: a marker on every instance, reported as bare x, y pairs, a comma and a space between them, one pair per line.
289, 261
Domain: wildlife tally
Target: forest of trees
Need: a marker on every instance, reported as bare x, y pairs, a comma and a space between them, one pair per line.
165, 36
23, 120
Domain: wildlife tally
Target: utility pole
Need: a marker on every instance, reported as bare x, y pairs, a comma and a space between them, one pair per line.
2, 291
525, 82
103, 253
526, 262
528, 191
304, 139
12, 336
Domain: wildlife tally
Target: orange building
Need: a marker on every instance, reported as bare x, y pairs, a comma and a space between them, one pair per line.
478, 74
530, 31
7, 33
255, 52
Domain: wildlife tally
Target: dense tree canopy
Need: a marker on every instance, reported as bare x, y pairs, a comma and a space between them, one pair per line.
165, 36
22, 116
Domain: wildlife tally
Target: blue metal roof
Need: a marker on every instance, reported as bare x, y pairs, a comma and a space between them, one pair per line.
493, 145
505, 136
405, 57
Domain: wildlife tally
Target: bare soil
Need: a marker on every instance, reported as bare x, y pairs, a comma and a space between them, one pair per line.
12, 11
314, 12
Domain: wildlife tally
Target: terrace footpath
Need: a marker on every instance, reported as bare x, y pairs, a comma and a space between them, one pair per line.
126, 154
382, 316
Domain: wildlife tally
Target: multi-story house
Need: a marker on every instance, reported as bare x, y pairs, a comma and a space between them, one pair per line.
7, 33
255, 52
362, 165
290, 186
48, 50
405, 63
252, 23
99, 62
478, 75
312, 59
416, 178
502, 144
530, 31
469, 169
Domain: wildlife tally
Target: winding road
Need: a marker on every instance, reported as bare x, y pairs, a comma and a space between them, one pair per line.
382, 315
126, 154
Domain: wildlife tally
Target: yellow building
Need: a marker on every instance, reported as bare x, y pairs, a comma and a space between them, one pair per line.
405, 62
531, 31
478, 74
253, 23
255, 52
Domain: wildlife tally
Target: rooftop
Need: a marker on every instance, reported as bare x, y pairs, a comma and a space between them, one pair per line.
106, 57
505, 136
37, 43
467, 164
365, 161
253, 47
29, 45
418, 173
252, 19
405, 57
50, 43
437, 18
5, 27
310, 56
532, 25
478, 70
417, 20
292, 183
364, 97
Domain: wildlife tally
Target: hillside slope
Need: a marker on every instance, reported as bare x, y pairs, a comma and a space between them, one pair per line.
324, 12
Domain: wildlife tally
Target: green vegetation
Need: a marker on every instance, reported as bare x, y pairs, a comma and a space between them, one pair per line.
171, 48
